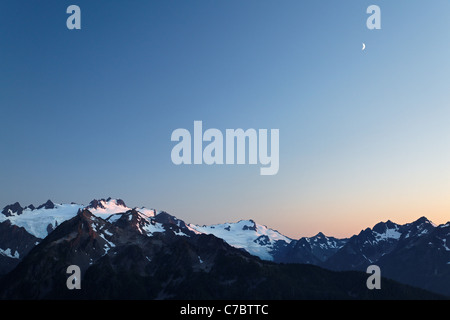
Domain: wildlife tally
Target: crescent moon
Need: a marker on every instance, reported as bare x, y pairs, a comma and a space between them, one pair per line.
364, 46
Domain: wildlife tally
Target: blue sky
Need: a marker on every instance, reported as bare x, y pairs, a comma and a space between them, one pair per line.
364, 135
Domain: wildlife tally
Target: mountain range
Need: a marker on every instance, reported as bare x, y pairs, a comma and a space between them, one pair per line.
143, 253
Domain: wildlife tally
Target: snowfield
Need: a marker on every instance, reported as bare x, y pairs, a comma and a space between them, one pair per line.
36, 221
257, 239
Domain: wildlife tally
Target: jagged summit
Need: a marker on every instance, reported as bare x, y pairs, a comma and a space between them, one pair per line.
319, 235
12, 209
382, 226
104, 204
423, 220
47, 205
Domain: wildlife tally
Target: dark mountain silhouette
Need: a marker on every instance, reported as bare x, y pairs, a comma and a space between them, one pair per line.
417, 253
134, 257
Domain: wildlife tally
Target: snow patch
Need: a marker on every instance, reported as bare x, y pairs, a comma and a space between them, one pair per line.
7, 253
113, 218
445, 245
388, 234
108, 244
152, 228
180, 233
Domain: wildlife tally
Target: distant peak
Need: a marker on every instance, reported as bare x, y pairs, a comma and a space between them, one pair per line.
120, 202
101, 204
12, 209
422, 220
320, 235
48, 205
382, 227
95, 204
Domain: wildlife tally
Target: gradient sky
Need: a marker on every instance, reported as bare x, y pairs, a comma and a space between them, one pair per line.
364, 135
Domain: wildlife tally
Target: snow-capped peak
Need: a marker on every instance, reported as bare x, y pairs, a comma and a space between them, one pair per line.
386, 230
107, 207
46, 217
247, 234
419, 227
